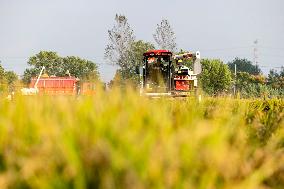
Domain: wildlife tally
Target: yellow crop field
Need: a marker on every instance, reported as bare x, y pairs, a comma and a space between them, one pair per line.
122, 140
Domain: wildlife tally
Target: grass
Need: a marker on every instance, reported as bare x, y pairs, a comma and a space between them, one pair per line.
122, 140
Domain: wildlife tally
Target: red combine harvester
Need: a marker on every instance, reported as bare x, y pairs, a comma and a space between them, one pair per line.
163, 74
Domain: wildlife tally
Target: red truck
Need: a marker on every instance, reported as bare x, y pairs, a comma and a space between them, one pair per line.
56, 85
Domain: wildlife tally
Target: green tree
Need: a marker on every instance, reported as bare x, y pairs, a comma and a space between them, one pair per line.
7, 79
81, 68
28, 74
215, 77
11, 78
128, 74
255, 86
120, 39
2, 79
275, 79
2, 74
117, 80
51, 60
165, 36
60, 66
138, 48
251, 83
244, 65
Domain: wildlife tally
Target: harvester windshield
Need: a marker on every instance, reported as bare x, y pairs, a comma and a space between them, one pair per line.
157, 71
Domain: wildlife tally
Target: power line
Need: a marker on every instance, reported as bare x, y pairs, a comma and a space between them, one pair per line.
226, 49
277, 67
272, 48
255, 51
272, 55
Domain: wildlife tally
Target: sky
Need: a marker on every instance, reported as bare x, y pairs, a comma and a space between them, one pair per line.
222, 29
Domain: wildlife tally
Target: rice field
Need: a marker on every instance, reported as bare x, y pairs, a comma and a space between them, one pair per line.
122, 140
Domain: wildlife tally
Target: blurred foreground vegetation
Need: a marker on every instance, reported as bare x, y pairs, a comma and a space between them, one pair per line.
122, 140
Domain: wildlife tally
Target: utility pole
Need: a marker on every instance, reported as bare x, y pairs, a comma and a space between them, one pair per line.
255, 54
235, 83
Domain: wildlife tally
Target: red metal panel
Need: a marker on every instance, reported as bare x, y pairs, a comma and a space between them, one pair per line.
55, 85
157, 52
182, 85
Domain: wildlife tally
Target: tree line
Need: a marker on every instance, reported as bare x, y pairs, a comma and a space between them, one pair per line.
55, 65
125, 51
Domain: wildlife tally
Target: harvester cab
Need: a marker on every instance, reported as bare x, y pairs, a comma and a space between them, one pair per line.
163, 74
155, 75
